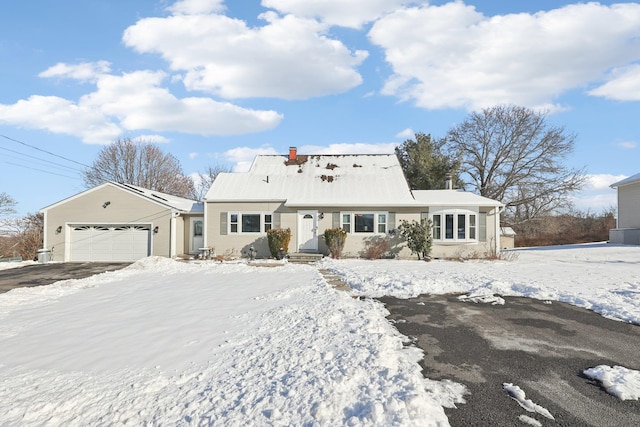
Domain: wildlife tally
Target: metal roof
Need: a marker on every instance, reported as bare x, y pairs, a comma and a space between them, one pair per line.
631, 180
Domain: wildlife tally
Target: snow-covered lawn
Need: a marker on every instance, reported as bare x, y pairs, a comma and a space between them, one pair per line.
204, 343
171, 343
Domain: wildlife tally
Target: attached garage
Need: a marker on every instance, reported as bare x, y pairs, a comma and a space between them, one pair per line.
105, 242
121, 223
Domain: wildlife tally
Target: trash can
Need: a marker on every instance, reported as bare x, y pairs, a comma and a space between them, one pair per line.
44, 256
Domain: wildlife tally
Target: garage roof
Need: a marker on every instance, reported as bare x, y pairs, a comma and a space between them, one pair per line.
173, 202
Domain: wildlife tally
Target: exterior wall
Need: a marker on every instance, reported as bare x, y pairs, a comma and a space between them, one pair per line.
124, 208
625, 236
237, 245
629, 206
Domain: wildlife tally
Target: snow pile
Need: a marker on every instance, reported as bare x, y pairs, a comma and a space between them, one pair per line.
5, 265
619, 381
600, 277
204, 343
482, 298
517, 394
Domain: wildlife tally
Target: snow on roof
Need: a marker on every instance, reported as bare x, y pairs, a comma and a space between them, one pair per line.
317, 180
631, 180
452, 198
180, 203
507, 231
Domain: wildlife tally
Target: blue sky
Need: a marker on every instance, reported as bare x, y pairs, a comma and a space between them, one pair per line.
215, 82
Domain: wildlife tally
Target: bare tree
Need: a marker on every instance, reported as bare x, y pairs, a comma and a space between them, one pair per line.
22, 236
512, 154
141, 164
7, 204
204, 179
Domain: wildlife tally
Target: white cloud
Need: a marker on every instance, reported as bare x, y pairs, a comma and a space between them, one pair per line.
84, 72
623, 85
193, 155
408, 133
196, 7
452, 56
355, 148
288, 57
134, 102
352, 13
242, 157
61, 116
629, 145
152, 139
597, 196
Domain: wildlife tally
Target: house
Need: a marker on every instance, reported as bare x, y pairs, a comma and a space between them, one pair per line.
367, 195
120, 222
628, 228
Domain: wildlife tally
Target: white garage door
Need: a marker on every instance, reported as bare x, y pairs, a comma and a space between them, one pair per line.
109, 242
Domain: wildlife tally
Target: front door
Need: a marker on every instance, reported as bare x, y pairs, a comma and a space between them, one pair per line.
308, 231
197, 234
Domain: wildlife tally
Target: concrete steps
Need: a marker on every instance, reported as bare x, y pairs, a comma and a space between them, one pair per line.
304, 258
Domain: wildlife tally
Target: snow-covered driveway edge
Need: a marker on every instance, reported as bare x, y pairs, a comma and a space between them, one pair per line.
600, 277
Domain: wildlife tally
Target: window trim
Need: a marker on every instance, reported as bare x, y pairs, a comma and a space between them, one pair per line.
351, 223
264, 225
470, 226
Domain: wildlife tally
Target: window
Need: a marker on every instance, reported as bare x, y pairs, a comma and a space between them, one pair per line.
364, 222
461, 227
197, 228
250, 222
346, 222
472, 227
457, 226
448, 233
382, 223
437, 227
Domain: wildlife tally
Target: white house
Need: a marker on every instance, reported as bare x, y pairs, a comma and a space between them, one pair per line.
628, 227
367, 195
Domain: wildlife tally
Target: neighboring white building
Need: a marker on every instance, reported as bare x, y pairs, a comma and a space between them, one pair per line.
628, 228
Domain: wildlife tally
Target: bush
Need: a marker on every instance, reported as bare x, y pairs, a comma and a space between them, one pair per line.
335, 239
279, 239
376, 248
418, 237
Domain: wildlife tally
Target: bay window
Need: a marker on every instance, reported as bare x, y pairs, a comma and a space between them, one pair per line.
458, 226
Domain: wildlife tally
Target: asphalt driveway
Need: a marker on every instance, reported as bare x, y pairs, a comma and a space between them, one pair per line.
45, 274
541, 347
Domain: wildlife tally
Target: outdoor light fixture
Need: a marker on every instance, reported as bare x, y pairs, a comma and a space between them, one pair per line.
59, 229
155, 230
321, 216
105, 204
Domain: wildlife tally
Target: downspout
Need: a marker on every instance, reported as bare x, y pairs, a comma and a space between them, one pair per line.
172, 233
499, 210
205, 244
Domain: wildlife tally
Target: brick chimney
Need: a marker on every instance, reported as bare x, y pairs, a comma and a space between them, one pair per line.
293, 153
